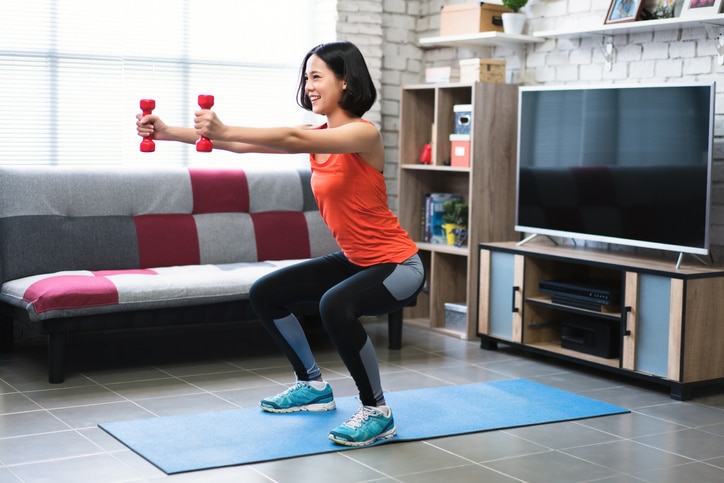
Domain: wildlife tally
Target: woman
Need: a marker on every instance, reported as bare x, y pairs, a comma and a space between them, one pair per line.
377, 270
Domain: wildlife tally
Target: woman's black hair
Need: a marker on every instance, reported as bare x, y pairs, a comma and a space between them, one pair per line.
348, 64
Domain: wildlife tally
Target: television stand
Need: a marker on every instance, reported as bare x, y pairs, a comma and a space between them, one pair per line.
536, 235
681, 258
669, 325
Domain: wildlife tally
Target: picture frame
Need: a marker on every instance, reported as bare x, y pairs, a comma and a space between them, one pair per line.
663, 8
700, 8
625, 11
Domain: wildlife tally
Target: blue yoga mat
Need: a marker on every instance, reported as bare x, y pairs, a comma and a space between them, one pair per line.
192, 442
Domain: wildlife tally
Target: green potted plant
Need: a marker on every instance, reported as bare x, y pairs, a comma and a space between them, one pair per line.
514, 5
455, 219
514, 22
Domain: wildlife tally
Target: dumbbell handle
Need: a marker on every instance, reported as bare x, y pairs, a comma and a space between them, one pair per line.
147, 107
204, 144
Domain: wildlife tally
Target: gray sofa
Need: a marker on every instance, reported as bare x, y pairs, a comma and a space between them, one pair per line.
109, 248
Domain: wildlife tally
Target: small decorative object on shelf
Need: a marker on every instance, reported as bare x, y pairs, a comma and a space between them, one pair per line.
624, 11
514, 5
514, 22
426, 154
701, 8
662, 8
455, 217
434, 220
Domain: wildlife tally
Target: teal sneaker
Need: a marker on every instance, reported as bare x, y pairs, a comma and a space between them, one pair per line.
300, 397
368, 425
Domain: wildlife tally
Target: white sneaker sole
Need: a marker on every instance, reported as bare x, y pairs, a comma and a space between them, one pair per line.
319, 407
389, 434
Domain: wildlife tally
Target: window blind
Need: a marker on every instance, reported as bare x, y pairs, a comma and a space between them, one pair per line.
72, 73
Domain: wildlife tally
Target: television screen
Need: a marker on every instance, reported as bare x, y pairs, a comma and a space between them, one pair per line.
617, 164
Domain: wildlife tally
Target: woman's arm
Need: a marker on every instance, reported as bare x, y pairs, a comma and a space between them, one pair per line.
351, 137
153, 125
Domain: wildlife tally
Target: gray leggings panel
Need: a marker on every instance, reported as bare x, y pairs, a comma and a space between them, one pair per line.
292, 331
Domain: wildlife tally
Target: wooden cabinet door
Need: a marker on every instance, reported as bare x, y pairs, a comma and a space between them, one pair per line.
500, 301
647, 328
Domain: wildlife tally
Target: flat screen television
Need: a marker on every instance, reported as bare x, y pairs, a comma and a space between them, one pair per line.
629, 165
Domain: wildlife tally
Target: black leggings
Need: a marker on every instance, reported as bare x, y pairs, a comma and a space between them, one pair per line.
343, 292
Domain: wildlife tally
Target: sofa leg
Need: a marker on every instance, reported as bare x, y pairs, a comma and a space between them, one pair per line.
394, 321
6, 334
56, 358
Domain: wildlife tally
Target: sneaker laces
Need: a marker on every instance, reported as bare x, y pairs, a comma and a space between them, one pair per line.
294, 387
362, 415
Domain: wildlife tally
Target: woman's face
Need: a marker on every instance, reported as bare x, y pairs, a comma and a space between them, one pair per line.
322, 87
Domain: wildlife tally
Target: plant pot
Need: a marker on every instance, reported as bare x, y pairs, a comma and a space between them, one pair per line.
513, 22
456, 234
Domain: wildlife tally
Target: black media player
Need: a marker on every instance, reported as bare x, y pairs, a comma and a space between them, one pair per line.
600, 292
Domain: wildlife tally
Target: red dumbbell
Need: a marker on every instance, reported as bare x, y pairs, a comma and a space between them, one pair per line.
204, 144
147, 145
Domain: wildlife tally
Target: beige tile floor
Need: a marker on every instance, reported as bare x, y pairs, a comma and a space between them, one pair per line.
48, 433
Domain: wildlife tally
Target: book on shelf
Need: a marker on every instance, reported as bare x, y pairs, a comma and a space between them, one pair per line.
432, 230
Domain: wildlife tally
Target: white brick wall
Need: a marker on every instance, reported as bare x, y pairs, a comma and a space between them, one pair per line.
676, 55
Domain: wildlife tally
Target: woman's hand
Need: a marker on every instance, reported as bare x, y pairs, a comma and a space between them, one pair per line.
207, 124
150, 125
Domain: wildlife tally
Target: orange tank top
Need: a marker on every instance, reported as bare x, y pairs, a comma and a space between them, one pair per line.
352, 198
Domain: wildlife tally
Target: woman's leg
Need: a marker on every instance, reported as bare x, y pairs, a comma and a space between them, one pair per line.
274, 296
375, 290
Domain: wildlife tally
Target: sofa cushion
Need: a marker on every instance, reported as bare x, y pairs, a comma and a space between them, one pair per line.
81, 292
130, 218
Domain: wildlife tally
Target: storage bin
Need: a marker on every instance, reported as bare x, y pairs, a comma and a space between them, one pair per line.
456, 315
460, 150
471, 18
482, 70
441, 75
463, 118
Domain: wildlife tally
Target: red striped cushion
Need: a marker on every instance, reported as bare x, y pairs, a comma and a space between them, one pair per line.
70, 292
63, 292
219, 191
281, 235
167, 240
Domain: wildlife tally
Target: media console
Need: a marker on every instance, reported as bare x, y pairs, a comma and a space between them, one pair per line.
642, 317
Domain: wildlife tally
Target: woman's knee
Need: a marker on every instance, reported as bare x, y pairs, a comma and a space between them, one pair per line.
264, 300
332, 307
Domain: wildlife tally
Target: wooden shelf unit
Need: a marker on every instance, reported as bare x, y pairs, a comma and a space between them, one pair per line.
488, 186
670, 324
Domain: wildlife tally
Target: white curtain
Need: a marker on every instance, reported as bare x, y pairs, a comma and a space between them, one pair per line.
72, 72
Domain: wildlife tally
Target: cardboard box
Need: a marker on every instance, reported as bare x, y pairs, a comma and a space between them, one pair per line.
460, 150
482, 70
463, 118
471, 18
438, 75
